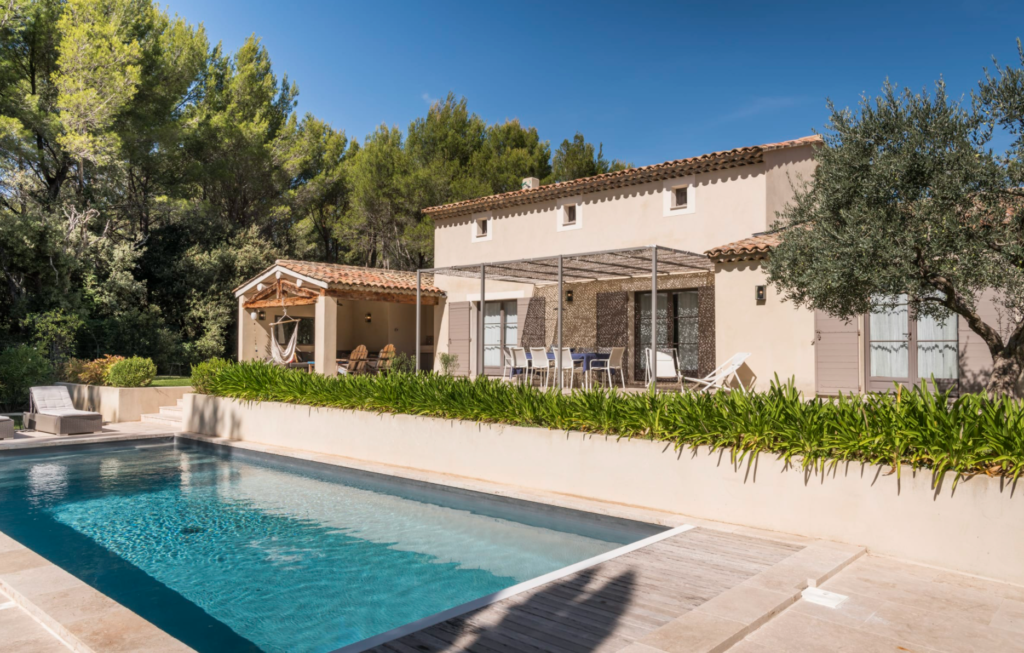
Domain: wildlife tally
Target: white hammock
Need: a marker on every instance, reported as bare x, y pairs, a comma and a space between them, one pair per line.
285, 355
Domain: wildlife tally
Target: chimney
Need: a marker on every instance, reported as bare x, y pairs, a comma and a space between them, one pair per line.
530, 182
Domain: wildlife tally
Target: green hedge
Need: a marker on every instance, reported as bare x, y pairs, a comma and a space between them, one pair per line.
204, 373
973, 434
21, 367
134, 372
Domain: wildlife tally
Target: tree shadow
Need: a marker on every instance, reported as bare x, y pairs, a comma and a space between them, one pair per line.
577, 613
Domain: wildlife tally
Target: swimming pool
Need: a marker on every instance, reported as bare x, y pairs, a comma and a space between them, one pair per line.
237, 551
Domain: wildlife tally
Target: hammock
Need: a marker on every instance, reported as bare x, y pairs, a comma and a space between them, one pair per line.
286, 354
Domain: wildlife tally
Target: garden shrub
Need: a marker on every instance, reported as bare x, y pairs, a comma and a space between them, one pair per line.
968, 435
71, 370
21, 367
134, 372
403, 363
204, 373
95, 372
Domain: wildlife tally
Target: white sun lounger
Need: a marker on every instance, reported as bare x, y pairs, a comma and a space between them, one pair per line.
52, 411
718, 379
6, 427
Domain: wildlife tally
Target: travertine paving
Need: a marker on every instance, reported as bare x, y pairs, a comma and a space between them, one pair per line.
896, 605
20, 633
700, 590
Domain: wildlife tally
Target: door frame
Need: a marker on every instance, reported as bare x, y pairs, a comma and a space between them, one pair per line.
491, 370
671, 321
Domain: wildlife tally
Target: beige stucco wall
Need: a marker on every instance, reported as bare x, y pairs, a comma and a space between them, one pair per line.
977, 530
778, 335
785, 170
729, 204
123, 404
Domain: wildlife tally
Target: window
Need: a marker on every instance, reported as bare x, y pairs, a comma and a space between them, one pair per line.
570, 215
482, 228
501, 329
679, 197
909, 350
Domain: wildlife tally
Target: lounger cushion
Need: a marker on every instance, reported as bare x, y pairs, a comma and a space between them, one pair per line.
51, 397
4, 418
67, 412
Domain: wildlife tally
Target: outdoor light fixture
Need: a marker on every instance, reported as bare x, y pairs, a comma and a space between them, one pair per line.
369, 318
760, 293
263, 315
253, 315
568, 296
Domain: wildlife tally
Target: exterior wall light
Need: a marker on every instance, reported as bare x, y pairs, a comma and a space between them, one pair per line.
760, 293
253, 315
263, 315
369, 318
568, 296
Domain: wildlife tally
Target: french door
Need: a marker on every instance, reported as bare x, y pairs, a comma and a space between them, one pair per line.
501, 330
909, 351
678, 327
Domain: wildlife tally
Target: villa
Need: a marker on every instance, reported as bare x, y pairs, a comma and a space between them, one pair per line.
703, 223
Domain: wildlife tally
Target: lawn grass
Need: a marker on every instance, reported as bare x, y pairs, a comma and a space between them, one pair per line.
969, 435
170, 381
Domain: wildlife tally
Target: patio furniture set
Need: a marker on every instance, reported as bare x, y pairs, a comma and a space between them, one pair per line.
539, 363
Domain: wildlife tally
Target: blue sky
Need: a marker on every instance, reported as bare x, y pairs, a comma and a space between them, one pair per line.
652, 81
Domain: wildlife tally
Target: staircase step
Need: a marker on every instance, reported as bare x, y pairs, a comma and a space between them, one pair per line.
165, 420
171, 411
181, 402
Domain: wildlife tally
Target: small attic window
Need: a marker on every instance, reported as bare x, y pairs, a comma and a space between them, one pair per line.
482, 228
570, 215
680, 197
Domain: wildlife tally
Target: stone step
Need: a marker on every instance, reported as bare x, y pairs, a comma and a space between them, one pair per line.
171, 411
181, 402
164, 420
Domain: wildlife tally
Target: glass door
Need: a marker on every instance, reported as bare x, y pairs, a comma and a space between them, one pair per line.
501, 330
937, 351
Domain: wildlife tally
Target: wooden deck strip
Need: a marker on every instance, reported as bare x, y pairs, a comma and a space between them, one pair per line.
609, 606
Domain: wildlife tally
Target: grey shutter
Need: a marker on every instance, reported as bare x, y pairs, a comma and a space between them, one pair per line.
531, 322
836, 355
706, 358
612, 316
458, 335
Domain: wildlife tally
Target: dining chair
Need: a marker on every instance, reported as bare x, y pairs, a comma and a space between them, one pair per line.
540, 363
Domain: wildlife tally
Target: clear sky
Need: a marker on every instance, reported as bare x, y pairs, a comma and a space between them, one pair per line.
653, 81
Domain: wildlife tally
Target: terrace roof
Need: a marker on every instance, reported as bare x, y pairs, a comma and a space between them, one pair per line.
589, 266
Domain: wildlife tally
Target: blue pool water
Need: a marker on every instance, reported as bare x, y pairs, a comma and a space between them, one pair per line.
248, 552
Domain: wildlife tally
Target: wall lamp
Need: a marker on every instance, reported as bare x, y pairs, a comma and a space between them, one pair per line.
760, 293
263, 315
369, 318
568, 296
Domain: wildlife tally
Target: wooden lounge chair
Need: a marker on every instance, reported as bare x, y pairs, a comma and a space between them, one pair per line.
52, 411
6, 427
356, 362
719, 379
385, 359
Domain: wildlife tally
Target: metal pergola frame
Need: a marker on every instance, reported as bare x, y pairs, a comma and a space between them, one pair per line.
630, 262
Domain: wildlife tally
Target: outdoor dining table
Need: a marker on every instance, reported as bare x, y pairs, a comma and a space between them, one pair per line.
586, 357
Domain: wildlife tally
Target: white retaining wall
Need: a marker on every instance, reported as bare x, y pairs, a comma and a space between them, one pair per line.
124, 404
979, 529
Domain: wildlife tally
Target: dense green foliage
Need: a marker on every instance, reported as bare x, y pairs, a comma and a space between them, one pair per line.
144, 173
909, 197
94, 372
134, 372
204, 373
21, 368
969, 435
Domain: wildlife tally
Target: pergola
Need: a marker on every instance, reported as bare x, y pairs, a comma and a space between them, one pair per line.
569, 268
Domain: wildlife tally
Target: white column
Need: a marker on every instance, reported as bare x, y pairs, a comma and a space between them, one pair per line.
245, 337
325, 342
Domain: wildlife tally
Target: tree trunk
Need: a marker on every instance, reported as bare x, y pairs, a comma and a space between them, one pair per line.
1006, 373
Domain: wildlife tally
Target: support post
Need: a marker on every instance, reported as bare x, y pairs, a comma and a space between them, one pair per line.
325, 341
653, 364
480, 322
558, 353
417, 368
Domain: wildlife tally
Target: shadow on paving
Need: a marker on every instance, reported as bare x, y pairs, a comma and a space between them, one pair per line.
575, 615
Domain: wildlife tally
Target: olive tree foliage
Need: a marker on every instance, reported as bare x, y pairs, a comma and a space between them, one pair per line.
909, 199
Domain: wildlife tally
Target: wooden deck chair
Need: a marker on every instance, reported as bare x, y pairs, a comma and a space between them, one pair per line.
356, 361
719, 379
384, 360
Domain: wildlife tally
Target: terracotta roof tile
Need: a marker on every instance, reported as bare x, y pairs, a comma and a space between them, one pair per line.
749, 248
351, 275
734, 158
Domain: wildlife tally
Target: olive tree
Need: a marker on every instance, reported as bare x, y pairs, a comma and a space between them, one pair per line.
908, 198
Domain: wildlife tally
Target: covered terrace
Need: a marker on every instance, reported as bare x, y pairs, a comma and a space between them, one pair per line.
335, 309
599, 286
